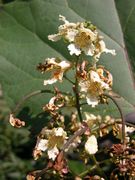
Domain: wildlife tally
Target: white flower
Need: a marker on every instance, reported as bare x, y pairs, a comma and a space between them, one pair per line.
42, 145
55, 139
57, 68
93, 86
52, 153
91, 145
82, 38
82, 41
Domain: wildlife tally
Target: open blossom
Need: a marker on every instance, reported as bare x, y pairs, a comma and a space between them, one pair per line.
94, 85
91, 145
82, 37
53, 141
42, 144
57, 69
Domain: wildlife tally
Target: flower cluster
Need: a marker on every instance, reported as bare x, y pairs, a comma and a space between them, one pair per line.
79, 131
90, 83
123, 157
52, 142
82, 38
57, 67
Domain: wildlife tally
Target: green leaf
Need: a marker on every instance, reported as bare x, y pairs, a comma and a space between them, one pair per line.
126, 11
76, 167
24, 27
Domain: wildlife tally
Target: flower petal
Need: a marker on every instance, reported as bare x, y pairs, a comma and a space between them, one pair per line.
71, 33
74, 50
92, 100
94, 76
50, 81
91, 145
89, 51
54, 37
42, 145
52, 153
64, 64
104, 49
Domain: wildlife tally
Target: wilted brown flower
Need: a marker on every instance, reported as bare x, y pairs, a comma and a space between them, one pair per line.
117, 149
56, 66
37, 153
16, 122
54, 104
60, 164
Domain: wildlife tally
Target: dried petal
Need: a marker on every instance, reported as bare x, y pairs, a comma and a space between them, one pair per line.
16, 122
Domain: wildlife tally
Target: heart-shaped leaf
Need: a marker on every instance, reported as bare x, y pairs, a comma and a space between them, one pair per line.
126, 11
24, 27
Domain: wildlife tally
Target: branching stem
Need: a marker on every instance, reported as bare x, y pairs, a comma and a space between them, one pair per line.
34, 93
98, 166
122, 116
76, 91
43, 171
28, 96
68, 79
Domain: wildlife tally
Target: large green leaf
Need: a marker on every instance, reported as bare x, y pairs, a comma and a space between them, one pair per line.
24, 27
126, 11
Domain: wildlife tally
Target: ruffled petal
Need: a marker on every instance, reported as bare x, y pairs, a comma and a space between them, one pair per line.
74, 50
52, 153
91, 145
50, 81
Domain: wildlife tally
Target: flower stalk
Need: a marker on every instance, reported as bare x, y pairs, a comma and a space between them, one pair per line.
28, 96
73, 137
121, 114
76, 91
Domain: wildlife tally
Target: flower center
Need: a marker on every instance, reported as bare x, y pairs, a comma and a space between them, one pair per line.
55, 140
95, 88
82, 39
